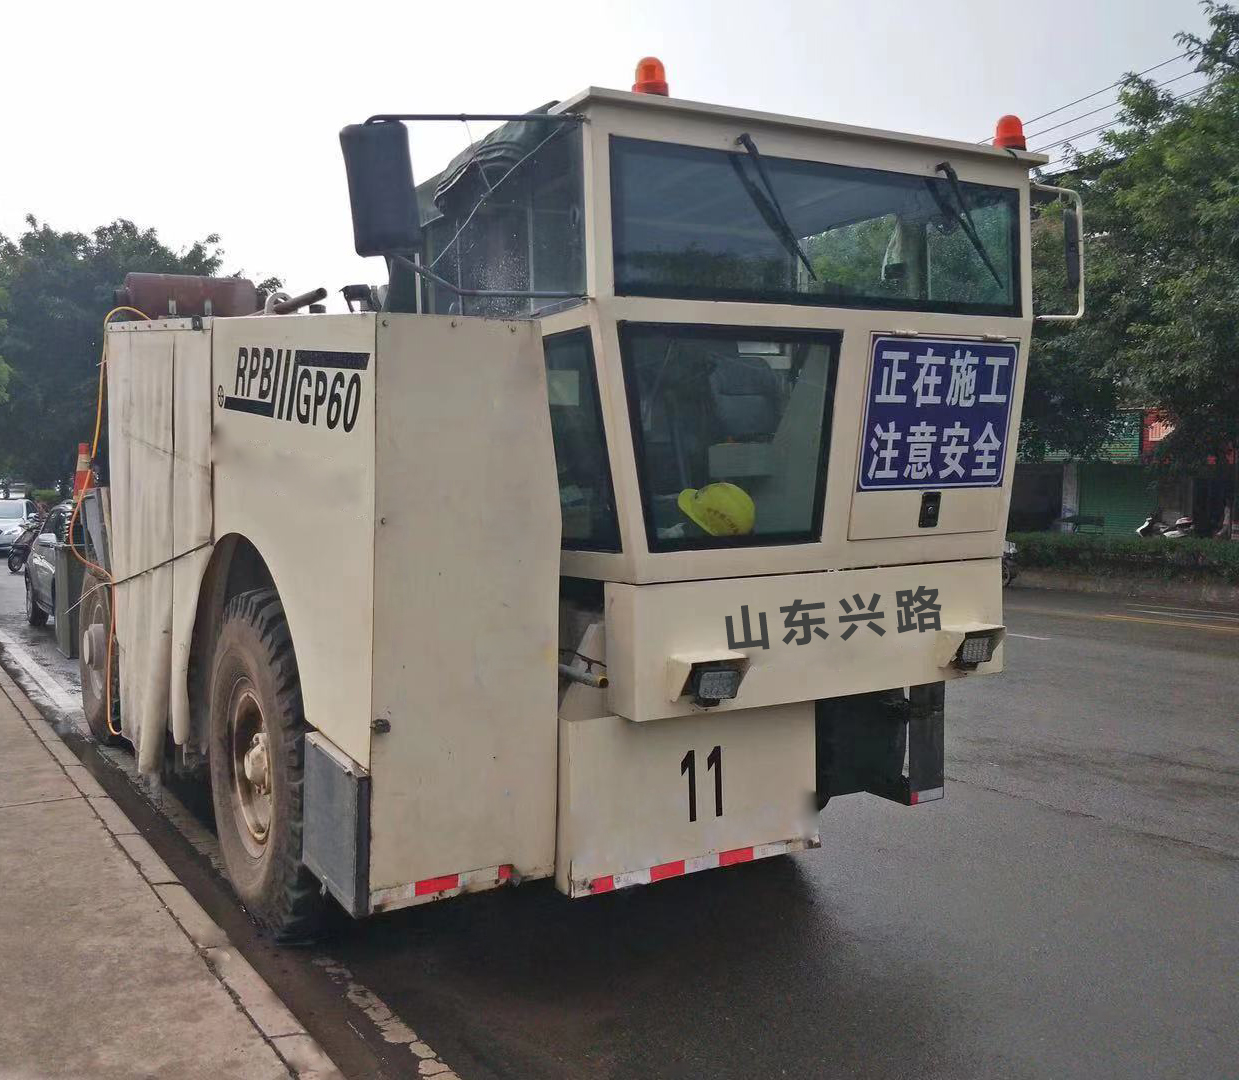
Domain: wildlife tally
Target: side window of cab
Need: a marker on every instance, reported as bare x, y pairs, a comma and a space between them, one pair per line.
586, 495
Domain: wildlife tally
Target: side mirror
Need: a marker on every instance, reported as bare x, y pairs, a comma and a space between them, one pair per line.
380, 189
1071, 244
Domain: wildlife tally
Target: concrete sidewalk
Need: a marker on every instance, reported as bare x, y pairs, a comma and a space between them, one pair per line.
108, 967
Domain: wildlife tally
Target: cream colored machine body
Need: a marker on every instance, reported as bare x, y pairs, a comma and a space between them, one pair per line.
454, 508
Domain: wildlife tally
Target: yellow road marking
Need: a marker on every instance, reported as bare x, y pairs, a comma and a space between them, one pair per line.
1185, 614
1161, 609
1170, 622
1128, 618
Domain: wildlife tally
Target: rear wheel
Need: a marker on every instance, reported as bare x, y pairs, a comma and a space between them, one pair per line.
16, 560
35, 615
257, 750
95, 622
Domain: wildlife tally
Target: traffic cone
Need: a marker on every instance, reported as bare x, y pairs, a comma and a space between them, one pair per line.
81, 478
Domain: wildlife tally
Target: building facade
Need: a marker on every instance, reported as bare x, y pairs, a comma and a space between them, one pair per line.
1113, 494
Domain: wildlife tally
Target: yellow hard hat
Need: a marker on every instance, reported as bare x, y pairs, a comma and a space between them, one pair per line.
721, 509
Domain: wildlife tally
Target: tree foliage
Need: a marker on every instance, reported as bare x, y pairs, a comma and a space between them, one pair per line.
55, 288
1161, 196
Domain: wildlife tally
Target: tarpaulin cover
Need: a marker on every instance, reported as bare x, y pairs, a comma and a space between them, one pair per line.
482, 164
159, 444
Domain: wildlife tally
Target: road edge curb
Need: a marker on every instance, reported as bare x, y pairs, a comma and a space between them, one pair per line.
254, 998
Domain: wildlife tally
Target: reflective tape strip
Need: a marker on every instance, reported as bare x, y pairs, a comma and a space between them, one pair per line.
666, 870
440, 888
704, 862
928, 795
436, 884
633, 877
490, 875
730, 858
610, 882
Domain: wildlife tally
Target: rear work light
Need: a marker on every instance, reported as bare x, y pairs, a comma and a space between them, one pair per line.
977, 648
711, 684
708, 678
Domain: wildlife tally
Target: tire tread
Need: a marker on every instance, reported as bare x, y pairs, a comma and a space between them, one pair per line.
296, 912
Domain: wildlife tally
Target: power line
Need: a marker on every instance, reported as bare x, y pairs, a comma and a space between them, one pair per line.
1102, 108
1115, 123
1061, 161
1117, 82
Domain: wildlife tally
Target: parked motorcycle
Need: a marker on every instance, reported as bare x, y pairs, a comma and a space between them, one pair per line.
20, 550
1153, 528
1009, 566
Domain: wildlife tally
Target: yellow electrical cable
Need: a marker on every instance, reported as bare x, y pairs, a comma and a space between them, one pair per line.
77, 502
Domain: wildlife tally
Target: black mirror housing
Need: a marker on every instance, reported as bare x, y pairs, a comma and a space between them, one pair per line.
1071, 242
380, 188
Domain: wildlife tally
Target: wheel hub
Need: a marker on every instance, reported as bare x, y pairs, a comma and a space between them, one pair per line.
94, 648
94, 644
250, 767
257, 765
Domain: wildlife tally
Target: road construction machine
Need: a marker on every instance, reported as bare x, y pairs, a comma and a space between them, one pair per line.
648, 504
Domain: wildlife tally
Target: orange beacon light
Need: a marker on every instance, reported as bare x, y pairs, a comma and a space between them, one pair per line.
651, 77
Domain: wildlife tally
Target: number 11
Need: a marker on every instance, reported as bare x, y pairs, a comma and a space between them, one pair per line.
714, 763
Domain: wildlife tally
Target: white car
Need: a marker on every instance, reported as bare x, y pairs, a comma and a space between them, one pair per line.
14, 513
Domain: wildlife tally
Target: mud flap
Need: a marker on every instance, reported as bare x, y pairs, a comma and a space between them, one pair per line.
885, 744
335, 837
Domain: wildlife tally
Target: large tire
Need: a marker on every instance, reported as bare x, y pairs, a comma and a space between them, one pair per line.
16, 560
95, 626
35, 615
257, 755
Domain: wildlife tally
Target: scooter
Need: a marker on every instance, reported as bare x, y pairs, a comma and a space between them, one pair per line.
20, 550
1009, 566
1152, 528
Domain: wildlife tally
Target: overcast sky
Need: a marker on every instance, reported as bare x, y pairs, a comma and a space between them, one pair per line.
222, 117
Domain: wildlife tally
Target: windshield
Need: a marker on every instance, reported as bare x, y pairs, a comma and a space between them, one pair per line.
699, 223
12, 511
731, 428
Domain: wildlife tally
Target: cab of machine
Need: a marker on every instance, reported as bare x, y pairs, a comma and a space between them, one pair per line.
796, 346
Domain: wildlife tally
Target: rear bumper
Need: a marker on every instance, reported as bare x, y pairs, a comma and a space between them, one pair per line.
680, 867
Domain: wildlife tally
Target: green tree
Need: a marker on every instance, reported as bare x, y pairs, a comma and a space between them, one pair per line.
6, 372
55, 288
1161, 198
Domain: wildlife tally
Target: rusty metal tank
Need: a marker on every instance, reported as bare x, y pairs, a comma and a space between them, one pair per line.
184, 295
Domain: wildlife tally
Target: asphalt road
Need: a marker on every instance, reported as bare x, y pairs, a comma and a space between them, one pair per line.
1069, 910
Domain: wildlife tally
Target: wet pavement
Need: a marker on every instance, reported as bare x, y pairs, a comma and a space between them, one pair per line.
1067, 910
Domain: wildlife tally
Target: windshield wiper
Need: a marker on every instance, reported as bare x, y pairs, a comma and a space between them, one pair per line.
767, 203
962, 215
